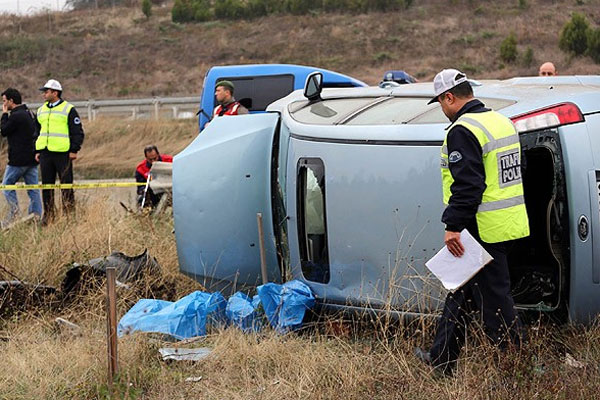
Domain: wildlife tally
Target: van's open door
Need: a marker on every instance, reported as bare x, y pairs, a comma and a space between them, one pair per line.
220, 182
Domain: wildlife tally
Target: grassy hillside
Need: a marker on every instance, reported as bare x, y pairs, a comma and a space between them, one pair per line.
119, 53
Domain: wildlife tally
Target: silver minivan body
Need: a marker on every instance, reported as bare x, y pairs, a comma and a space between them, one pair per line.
350, 193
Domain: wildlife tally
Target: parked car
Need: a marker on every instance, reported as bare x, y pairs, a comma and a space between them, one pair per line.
257, 86
348, 183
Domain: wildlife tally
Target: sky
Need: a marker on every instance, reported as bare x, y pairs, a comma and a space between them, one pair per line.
30, 6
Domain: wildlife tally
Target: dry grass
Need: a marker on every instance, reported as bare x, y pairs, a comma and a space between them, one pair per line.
330, 360
113, 148
118, 53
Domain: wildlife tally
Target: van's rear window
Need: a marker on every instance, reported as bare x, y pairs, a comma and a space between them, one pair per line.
377, 111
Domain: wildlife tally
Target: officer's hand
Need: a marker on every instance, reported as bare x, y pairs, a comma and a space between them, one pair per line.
37, 157
452, 240
73, 156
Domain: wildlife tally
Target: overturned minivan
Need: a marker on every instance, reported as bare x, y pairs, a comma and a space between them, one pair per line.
348, 185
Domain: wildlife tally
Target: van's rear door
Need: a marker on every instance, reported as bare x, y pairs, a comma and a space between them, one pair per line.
220, 182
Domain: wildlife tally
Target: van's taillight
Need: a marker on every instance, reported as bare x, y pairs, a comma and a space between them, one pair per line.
549, 117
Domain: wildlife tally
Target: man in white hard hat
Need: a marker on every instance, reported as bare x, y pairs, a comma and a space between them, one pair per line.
483, 194
60, 138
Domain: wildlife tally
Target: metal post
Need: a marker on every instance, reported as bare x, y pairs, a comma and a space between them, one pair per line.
156, 102
111, 324
261, 241
89, 109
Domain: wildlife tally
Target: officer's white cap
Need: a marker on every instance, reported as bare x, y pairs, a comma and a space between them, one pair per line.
446, 80
52, 84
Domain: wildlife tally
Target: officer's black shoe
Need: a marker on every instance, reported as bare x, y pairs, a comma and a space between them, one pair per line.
423, 355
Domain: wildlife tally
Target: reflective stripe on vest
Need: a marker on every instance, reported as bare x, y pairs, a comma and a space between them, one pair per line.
233, 110
54, 127
502, 215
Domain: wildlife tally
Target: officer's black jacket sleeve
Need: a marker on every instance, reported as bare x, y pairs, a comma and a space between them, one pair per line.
6, 126
469, 179
75, 131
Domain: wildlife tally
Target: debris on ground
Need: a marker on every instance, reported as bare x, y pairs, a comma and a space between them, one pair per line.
65, 326
284, 307
183, 354
572, 362
193, 379
128, 268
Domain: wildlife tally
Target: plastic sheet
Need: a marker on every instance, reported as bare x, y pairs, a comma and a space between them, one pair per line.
285, 305
242, 312
182, 319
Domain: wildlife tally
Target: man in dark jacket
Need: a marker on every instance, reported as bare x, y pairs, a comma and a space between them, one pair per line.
60, 138
18, 126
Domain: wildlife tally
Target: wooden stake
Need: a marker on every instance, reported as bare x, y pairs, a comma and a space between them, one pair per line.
111, 324
261, 241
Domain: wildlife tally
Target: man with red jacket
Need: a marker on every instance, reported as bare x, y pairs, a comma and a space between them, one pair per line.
227, 103
141, 174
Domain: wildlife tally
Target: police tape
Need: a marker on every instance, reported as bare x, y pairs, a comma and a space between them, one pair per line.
73, 185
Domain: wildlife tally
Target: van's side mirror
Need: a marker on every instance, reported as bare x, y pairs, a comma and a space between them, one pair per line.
313, 86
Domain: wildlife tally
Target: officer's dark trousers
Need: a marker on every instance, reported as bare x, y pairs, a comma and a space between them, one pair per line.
54, 165
486, 299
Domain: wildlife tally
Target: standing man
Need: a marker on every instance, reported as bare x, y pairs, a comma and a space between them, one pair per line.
547, 69
483, 193
142, 171
227, 103
19, 129
60, 138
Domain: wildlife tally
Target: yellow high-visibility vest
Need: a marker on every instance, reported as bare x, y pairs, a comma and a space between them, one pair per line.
54, 131
502, 215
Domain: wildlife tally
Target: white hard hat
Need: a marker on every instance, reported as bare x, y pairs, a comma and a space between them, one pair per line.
52, 84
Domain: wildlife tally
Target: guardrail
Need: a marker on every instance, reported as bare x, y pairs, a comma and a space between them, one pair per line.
155, 107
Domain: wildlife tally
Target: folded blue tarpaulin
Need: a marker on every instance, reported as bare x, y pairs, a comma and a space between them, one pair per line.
182, 319
285, 305
242, 312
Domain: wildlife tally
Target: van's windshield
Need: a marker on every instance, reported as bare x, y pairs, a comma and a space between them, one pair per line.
377, 111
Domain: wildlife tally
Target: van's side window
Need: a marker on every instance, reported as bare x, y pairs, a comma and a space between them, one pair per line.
312, 222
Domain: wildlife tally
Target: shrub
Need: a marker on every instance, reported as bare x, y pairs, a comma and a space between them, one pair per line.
258, 8
147, 8
336, 5
508, 49
230, 9
574, 35
593, 44
182, 11
300, 7
528, 57
202, 11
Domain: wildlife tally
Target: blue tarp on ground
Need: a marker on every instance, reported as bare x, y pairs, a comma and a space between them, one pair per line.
285, 305
182, 319
242, 312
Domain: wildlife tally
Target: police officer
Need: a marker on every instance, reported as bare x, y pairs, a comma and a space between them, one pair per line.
227, 103
483, 193
60, 138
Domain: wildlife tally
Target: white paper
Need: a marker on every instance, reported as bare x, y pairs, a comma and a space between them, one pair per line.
454, 272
